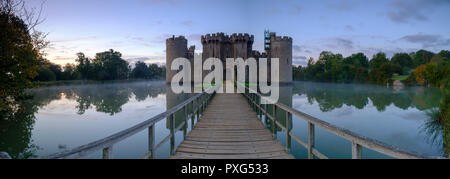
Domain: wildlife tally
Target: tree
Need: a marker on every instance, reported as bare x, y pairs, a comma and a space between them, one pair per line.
419, 73
84, 66
445, 54
422, 57
378, 60
359, 60
18, 59
70, 72
46, 74
141, 71
112, 66
404, 61
155, 71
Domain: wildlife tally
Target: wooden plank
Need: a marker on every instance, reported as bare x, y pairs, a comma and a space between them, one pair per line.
229, 129
231, 156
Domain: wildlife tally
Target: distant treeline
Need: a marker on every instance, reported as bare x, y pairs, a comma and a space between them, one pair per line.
419, 68
422, 67
107, 65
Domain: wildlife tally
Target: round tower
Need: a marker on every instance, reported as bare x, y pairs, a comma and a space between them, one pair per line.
281, 48
176, 47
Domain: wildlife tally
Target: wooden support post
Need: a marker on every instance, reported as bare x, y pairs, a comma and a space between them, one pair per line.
274, 124
185, 122
310, 140
151, 141
107, 152
356, 151
172, 133
267, 112
288, 136
192, 116
260, 110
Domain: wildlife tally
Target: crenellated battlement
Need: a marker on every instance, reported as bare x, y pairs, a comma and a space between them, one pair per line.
242, 37
237, 45
281, 39
176, 39
217, 37
222, 37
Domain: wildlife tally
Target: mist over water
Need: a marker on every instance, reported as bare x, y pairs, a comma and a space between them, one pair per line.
63, 117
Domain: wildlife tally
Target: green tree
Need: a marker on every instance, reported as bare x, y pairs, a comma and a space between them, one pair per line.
18, 60
84, 66
155, 71
378, 60
46, 74
445, 54
112, 66
422, 57
141, 71
404, 61
70, 73
359, 60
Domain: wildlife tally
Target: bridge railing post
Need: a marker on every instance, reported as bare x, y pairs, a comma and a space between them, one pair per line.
151, 140
192, 115
311, 139
274, 124
108, 152
185, 121
259, 107
356, 151
172, 133
288, 136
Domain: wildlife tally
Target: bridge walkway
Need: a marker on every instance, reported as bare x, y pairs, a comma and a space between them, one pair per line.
230, 129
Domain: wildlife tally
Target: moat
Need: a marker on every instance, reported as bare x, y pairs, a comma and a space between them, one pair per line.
64, 117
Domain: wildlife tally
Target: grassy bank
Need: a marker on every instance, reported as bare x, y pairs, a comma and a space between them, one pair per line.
401, 78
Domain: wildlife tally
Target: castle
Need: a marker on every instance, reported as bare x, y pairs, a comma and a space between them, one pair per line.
223, 46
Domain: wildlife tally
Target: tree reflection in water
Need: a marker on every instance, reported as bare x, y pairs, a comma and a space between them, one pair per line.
16, 132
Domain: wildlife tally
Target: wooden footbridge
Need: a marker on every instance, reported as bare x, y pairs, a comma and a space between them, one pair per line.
229, 127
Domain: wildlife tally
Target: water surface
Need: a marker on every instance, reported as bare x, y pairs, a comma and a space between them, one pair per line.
63, 117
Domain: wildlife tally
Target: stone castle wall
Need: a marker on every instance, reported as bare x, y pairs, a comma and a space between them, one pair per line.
281, 48
224, 46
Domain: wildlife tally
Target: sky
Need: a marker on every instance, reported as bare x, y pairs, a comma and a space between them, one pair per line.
138, 28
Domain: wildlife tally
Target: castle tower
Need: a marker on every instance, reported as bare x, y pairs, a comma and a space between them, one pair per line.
176, 47
281, 48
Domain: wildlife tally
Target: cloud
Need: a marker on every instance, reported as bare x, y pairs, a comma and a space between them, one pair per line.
402, 11
426, 40
302, 49
146, 59
340, 42
159, 3
343, 6
298, 9
194, 37
187, 23
75, 39
300, 60
349, 28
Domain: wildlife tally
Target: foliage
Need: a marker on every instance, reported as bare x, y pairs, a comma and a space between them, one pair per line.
18, 61
141, 71
378, 60
404, 63
422, 57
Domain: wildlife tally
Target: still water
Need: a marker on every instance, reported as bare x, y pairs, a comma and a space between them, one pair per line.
63, 117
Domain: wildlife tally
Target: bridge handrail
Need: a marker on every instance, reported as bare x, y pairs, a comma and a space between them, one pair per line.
356, 139
107, 142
